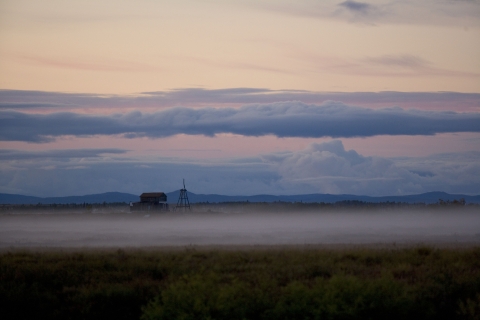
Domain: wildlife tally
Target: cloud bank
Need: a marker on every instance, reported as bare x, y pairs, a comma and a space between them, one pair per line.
10, 154
197, 97
283, 119
332, 169
320, 168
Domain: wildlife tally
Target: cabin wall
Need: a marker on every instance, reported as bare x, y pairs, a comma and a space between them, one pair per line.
147, 206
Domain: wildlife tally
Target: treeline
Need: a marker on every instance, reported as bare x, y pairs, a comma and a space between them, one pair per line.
246, 206
278, 283
356, 205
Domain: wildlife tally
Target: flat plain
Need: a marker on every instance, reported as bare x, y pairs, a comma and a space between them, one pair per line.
120, 228
348, 264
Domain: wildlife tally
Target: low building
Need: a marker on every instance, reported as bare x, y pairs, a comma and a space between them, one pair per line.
150, 201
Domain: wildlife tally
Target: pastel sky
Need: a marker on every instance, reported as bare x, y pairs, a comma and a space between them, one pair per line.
240, 97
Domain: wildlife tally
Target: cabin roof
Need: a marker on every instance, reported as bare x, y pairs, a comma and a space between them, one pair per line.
152, 195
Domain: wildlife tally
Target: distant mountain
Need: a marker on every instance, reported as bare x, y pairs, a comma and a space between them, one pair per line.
110, 197
429, 197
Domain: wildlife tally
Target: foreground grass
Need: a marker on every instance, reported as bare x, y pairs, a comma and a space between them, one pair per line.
277, 283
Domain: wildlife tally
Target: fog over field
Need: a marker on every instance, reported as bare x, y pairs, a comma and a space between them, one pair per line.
122, 229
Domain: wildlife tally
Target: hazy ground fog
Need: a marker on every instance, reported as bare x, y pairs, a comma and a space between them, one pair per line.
75, 230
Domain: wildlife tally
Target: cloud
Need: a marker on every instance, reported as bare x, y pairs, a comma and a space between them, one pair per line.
455, 172
359, 11
16, 155
356, 6
14, 106
283, 119
406, 61
329, 168
225, 64
319, 168
136, 177
398, 65
406, 65
87, 65
198, 97
421, 12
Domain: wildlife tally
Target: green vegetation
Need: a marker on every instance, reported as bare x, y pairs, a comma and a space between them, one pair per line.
249, 283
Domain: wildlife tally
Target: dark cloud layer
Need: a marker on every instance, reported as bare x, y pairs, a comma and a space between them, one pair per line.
194, 97
10, 154
285, 119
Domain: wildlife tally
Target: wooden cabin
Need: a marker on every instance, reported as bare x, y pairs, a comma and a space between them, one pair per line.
153, 197
150, 201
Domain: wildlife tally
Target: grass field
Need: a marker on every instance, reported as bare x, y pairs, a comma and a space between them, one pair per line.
243, 283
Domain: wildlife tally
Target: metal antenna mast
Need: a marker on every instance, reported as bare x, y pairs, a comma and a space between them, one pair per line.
183, 199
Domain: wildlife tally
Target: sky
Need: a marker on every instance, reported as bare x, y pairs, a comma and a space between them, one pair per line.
240, 97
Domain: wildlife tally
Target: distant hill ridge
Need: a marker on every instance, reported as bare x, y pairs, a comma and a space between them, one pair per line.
111, 197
